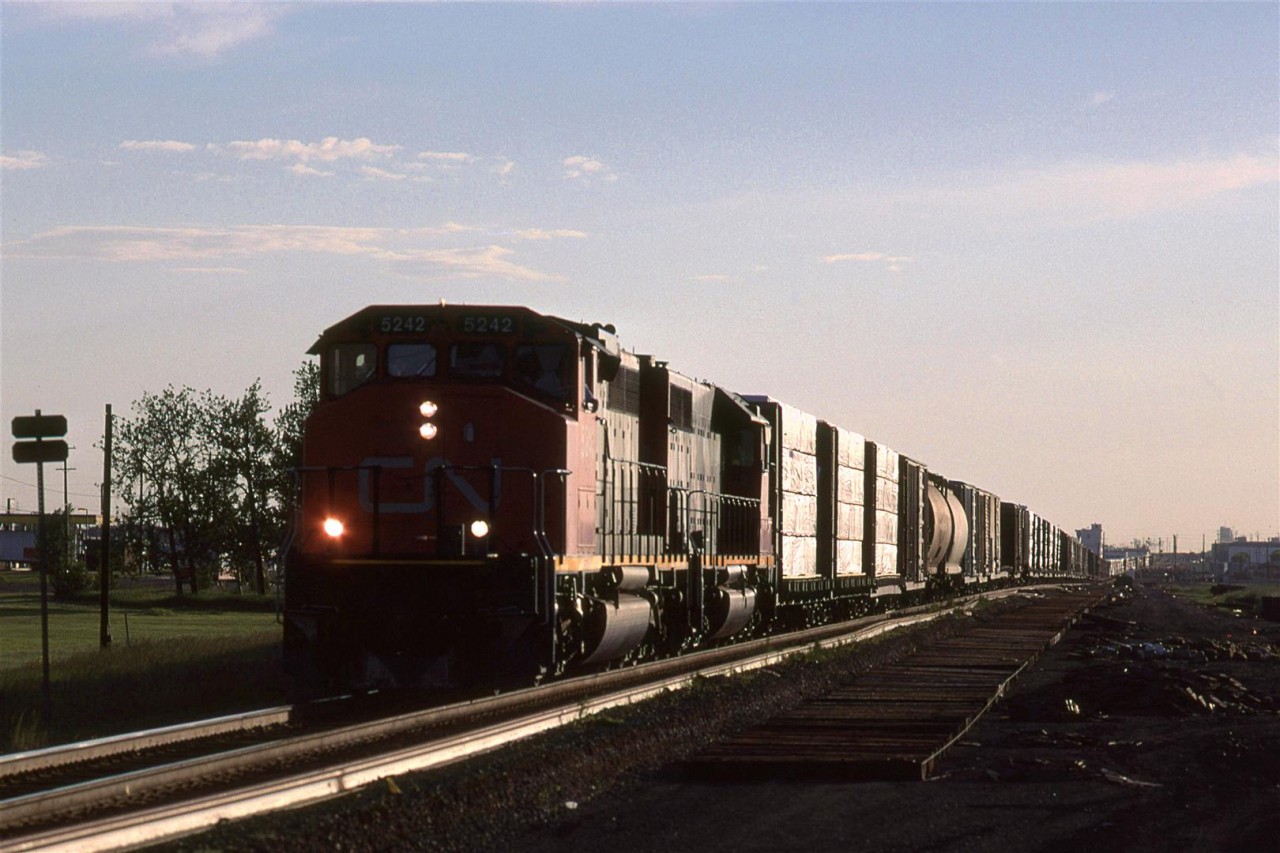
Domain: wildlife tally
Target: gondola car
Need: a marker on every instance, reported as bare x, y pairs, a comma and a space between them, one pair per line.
491, 496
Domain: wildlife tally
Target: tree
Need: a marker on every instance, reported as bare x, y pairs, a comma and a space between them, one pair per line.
61, 550
290, 428
206, 479
245, 447
180, 492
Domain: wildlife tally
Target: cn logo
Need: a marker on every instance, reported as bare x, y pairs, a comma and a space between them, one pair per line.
451, 475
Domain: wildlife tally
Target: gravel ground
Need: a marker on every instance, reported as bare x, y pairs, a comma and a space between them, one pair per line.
1152, 726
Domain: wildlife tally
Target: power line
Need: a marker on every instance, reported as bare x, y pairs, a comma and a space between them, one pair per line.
33, 486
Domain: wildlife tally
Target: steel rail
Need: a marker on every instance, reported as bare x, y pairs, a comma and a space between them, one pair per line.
31, 761
193, 815
578, 698
577, 695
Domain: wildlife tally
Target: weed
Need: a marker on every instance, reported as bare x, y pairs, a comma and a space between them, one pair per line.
152, 683
27, 733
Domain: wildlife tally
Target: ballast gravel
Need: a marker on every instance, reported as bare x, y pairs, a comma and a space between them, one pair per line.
1152, 726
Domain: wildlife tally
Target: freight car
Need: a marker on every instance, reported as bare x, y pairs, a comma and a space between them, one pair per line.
492, 496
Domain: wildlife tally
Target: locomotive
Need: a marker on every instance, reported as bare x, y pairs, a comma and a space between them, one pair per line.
490, 496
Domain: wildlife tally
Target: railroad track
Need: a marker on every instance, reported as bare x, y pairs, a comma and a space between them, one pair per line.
896, 721
199, 775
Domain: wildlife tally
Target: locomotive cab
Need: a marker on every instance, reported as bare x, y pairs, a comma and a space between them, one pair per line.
436, 472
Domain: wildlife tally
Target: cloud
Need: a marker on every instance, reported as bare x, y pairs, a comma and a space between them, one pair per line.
468, 263
200, 30
367, 158
206, 249
141, 11
549, 234
156, 145
21, 160
1097, 99
893, 263
1071, 195
447, 228
579, 167
207, 30
711, 278
1092, 192
305, 171
328, 150
446, 157
141, 243
377, 174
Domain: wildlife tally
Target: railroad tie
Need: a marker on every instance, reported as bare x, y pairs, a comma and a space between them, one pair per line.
897, 720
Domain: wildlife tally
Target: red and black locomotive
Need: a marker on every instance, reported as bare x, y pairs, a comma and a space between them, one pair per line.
490, 496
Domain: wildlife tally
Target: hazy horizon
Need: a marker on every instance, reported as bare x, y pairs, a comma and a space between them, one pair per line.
1035, 246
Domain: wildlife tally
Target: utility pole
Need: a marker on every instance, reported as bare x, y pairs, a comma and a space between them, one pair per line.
104, 564
66, 513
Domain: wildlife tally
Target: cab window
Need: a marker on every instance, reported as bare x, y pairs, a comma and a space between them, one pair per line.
411, 360
476, 360
350, 366
544, 368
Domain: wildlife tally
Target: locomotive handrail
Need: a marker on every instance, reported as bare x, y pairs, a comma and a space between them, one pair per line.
709, 543
626, 517
540, 533
713, 510
537, 524
331, 470
679, 510
539, 515
634, 522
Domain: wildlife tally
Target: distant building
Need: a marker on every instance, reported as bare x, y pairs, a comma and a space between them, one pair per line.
17, 547
1125, 560
1177, 561
18, 535
1247, 558
1091, 538
1226, 534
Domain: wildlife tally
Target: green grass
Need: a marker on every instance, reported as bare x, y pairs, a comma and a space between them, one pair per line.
1248, 598
137, 615
181, 658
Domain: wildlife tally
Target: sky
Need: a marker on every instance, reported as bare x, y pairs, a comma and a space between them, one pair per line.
1034, 246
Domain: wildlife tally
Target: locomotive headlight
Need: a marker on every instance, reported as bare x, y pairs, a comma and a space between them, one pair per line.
428, 431
333, 527
428, 409
479, 528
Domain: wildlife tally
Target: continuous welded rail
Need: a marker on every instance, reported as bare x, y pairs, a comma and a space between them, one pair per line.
897, 720
56, 758
178, 797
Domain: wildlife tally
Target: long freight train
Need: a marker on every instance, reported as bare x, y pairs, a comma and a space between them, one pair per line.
490, 496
